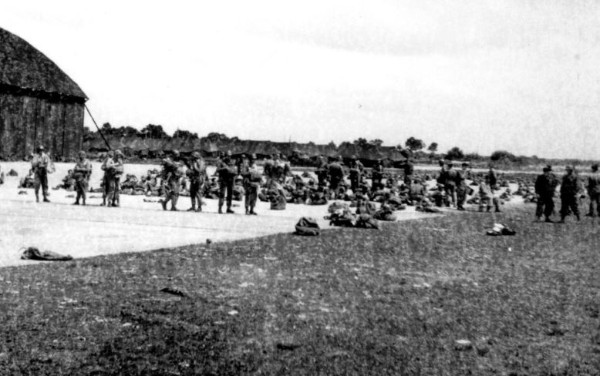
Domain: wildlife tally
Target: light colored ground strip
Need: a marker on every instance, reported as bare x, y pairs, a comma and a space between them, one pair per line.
136, 226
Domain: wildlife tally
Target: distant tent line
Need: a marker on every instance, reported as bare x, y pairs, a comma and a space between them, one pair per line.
153, 148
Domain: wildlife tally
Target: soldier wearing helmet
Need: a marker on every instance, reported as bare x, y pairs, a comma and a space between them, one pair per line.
40, 164
252, 179
197, 175
593, 188
82, 173
227, 172
114, 186
107, 167
545, 188
172, 174
570, 188
356, 171
336, 176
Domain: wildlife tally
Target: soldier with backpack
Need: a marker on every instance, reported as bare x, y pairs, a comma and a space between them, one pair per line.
197, 174
593, 188
172, 174
226, 170
40, 164
82, 173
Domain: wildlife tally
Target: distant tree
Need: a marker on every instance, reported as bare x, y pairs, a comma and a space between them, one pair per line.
106, 129
185, 135
432, 147
376, 142
361, 142
455, 153
332, 144
503, 155
125, 131
414, 144
217, 137
473, 157
154, 132
88, 134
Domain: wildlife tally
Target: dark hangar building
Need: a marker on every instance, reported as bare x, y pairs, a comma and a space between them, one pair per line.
39, 103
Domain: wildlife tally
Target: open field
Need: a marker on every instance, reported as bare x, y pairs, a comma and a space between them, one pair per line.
351, 301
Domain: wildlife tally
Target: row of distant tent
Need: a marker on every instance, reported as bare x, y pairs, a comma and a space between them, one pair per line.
157, 147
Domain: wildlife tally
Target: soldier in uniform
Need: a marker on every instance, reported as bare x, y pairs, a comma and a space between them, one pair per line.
569, 190
107, 165
322, 170
336, 176
82, 173
278, 171
376, 176
356, 171
409, 169
197, 174
115, 186
486, 196
172, 174
493, 177
226, 171
40, 164
461, 186
251, 179
593, 188
545, 187
448, 178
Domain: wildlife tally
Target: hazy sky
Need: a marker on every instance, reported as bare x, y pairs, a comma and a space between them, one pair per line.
484, 75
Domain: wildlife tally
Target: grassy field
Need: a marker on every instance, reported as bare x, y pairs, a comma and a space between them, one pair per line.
350, 301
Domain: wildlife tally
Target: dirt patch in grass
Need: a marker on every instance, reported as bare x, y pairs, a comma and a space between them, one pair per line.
350, 301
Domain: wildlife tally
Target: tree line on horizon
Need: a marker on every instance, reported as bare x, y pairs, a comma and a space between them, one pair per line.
417, 147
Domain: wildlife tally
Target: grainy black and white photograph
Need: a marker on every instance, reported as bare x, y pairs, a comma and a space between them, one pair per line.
271, 187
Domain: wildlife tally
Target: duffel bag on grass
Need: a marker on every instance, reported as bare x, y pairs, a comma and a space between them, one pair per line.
308, 227
278, 203
366, 221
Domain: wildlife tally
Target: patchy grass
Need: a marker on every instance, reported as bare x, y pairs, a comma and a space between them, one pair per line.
351, 301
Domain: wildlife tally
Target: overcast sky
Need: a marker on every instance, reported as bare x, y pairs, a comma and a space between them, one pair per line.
519, 75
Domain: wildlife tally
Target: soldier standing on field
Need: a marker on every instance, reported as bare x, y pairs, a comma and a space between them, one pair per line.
545, 188
226, 171
251, 179
322, 170
172, 173
107, 165
569, 190
118, 169
493, 177
197, 174
461, 186
448, 176
82, 173
593, 188
408, 168
336, 176
40, 164
377, 176
356, 171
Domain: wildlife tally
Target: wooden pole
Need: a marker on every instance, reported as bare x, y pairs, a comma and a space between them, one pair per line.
98, 128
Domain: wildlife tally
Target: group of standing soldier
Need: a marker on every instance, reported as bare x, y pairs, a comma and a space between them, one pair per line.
454, 182
113, 167
227, 171
572, 190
